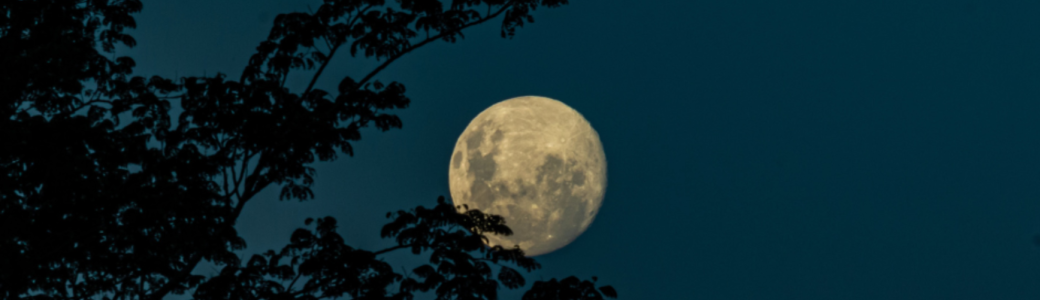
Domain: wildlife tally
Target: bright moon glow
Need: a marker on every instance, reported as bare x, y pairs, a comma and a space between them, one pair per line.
537, 163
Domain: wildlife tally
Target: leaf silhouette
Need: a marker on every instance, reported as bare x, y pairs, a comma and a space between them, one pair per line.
608, 291
510, 278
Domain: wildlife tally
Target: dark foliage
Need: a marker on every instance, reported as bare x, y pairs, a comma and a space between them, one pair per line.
460, 265
570, 288
103, 194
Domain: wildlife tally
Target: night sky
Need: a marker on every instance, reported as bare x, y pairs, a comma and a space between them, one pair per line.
756, 149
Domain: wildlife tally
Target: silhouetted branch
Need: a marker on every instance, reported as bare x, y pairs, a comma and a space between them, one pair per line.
253, 185
246, 196
332, 51
173, 282
172, 97
392, 249
293, 282
223, 171
321, 69
85, 104
427, 41
237, 179
313, 287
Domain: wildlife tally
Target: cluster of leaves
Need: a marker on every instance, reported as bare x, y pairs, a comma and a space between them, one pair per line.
75, 220
459, 265
103, 194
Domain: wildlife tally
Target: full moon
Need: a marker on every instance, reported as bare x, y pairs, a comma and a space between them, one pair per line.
537, 163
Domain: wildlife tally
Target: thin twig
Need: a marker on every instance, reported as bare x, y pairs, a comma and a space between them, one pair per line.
424, 42
81, 106
294, 280
339, 41
391, 249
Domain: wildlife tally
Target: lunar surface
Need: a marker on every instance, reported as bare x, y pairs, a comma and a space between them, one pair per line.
537, 163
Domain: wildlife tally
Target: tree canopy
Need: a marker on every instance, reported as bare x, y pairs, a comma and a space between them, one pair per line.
104, 194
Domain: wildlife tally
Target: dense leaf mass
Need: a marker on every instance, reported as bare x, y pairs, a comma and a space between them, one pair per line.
104, 193
318, 264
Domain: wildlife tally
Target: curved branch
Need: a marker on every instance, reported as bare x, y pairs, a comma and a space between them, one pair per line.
427, 41
332, 51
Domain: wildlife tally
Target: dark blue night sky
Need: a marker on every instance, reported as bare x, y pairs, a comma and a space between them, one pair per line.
756, 149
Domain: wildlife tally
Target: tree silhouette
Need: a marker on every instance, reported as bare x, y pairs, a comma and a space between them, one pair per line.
103, 195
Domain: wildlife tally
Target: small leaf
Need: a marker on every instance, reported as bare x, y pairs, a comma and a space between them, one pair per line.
608, 291
510, 278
